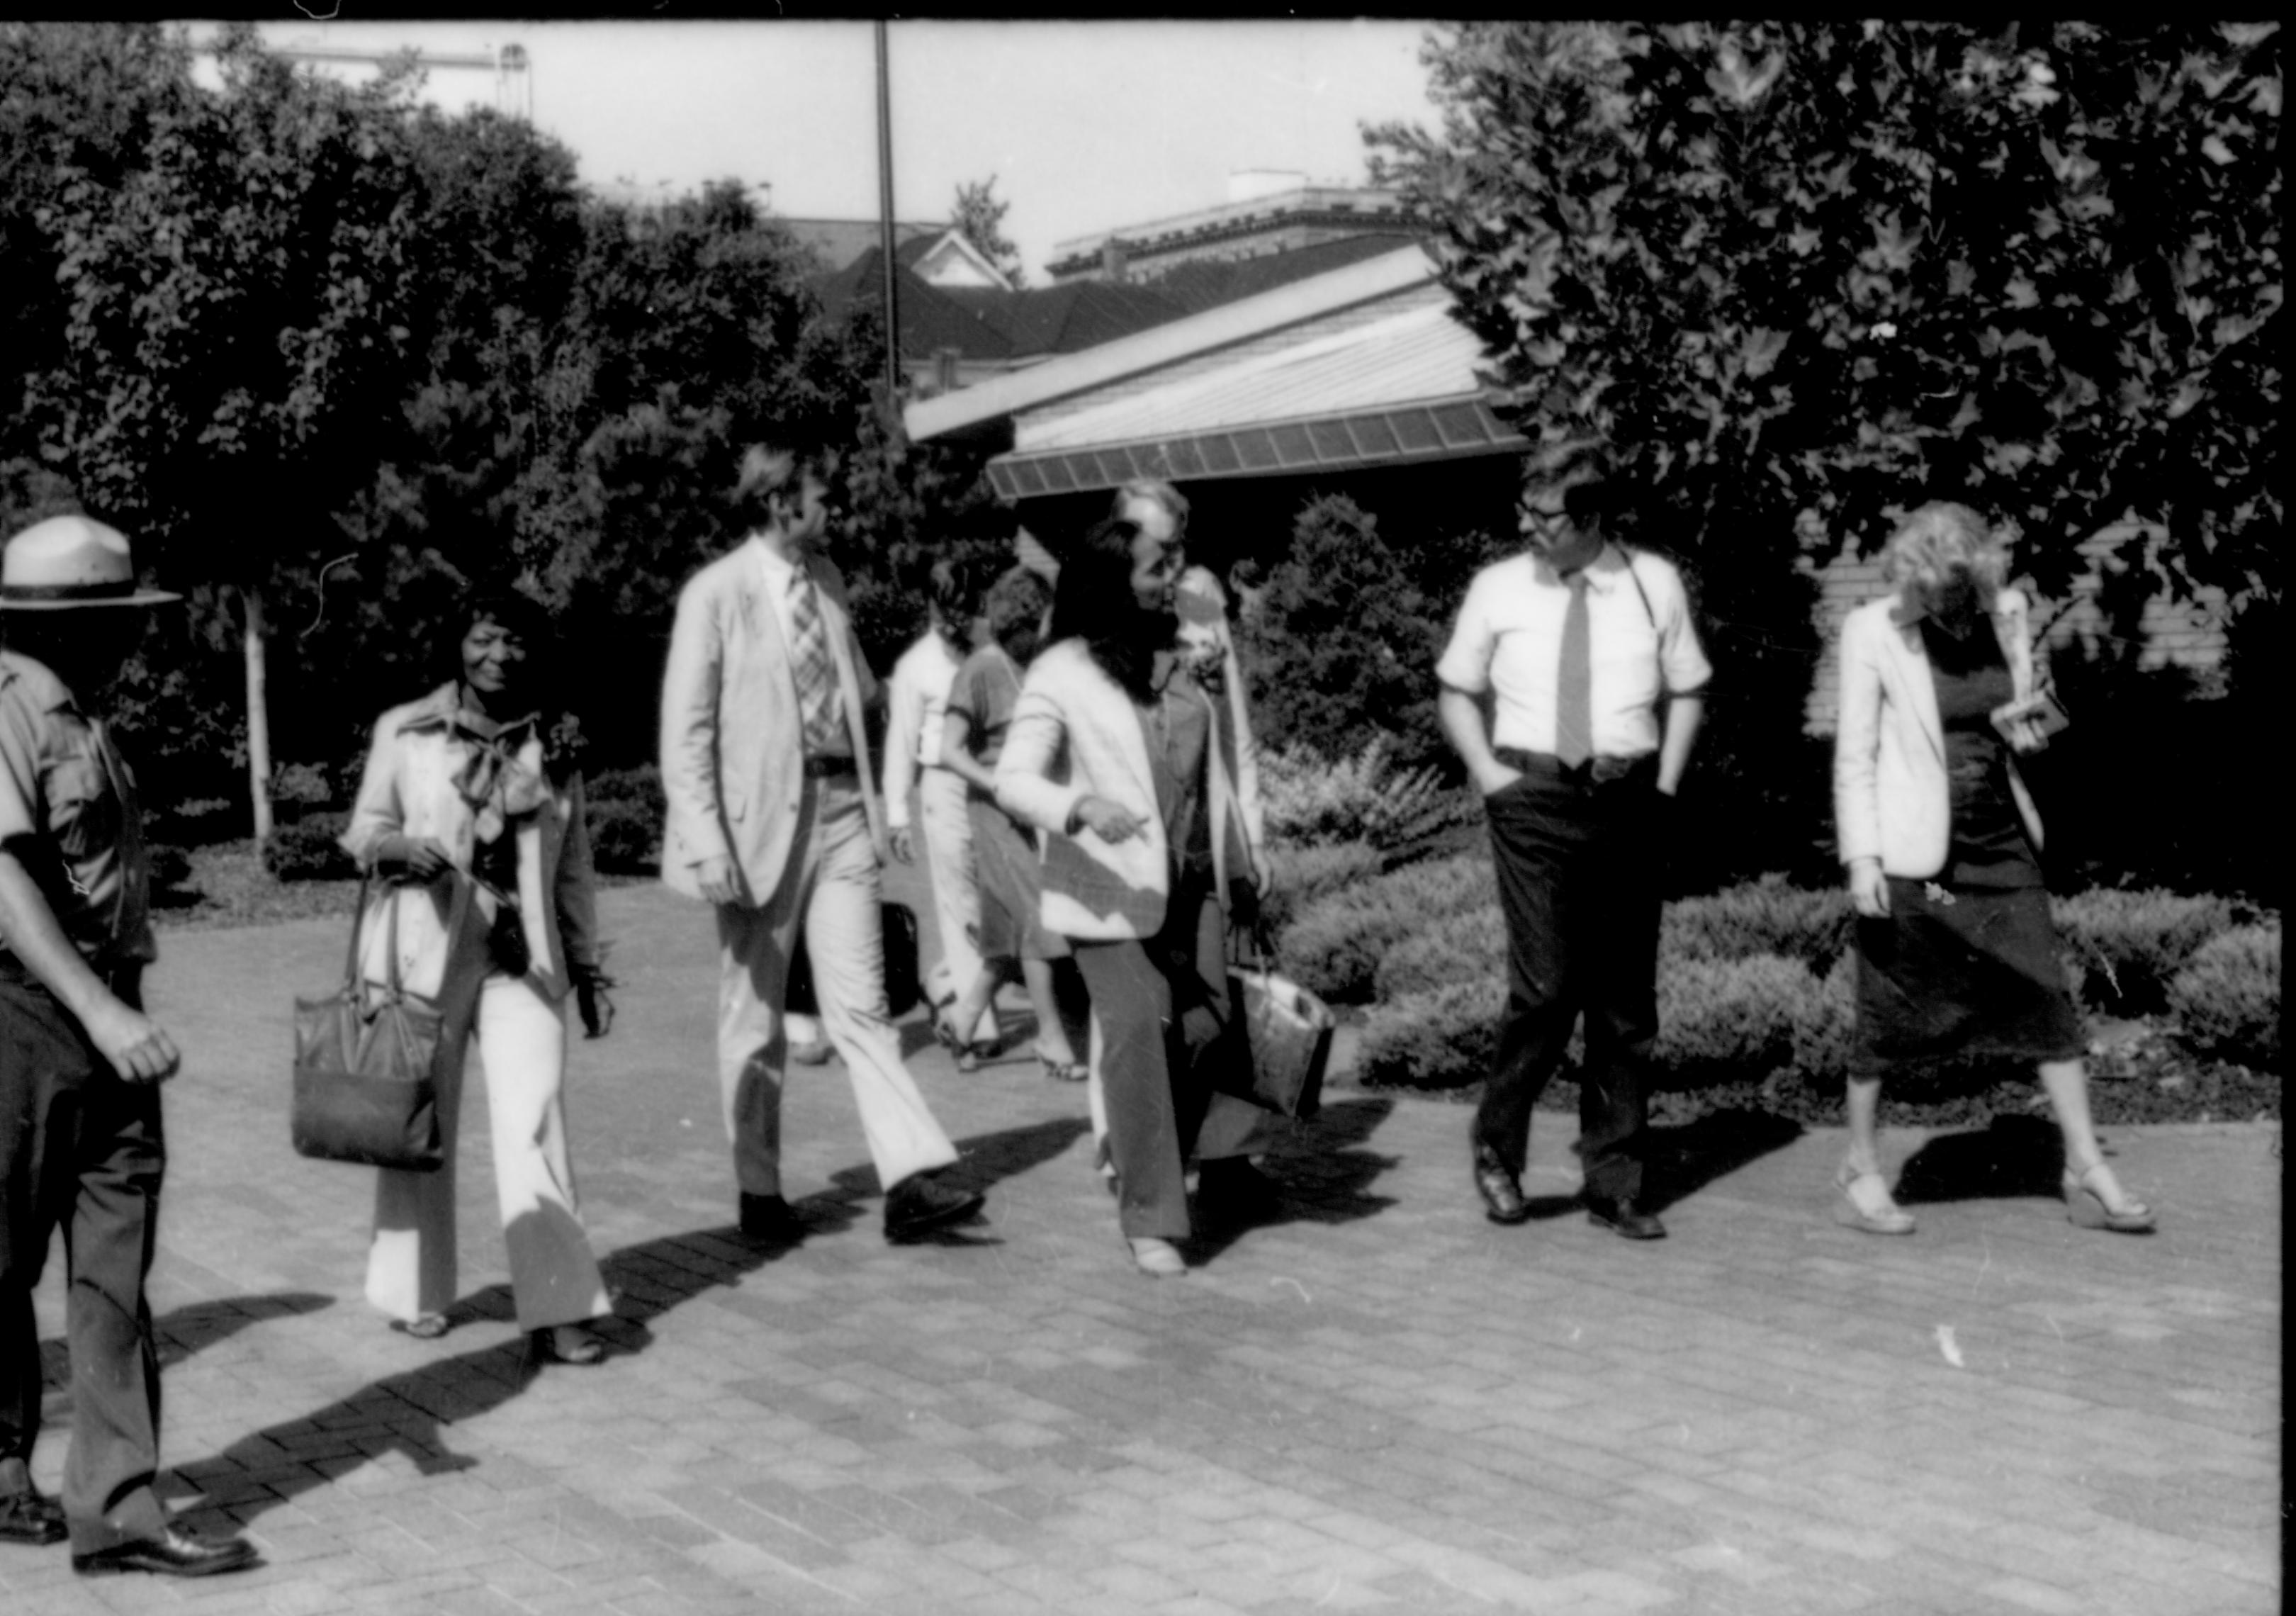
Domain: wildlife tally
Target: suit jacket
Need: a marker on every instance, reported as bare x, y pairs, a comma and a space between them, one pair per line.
1892, 799
409, 787
732, 736
1076, 733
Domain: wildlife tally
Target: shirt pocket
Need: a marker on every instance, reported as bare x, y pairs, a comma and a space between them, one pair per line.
83, 810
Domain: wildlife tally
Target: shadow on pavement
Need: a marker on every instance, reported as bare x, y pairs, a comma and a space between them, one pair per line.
188, 1330
407, 1413
2014, 1156
982, 1160
1679, 1161
1322, 1174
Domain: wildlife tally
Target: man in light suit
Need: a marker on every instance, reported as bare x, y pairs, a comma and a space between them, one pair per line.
773, 820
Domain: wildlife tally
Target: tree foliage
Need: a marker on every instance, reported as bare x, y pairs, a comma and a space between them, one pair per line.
980, 217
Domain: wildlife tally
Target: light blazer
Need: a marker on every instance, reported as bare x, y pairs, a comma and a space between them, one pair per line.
1076, 733
732, 737
409, 787
1892, 799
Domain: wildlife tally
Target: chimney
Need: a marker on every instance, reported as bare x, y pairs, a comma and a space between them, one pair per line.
1111, 259
944, 360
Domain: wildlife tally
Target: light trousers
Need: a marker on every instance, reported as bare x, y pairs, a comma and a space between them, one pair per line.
956, 895
554, 1277
830, 885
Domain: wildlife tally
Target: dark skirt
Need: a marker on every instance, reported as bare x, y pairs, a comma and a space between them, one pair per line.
1961, 970
1011, 878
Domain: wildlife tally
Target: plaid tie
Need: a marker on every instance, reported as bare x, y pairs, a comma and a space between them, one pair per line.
1574, 707
816, 673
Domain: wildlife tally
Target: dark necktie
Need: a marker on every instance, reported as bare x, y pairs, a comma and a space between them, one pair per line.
1574, 698
816, 673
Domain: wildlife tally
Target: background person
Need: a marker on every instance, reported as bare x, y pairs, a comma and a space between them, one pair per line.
915, 740
1956, 949
1596, 671
1009, 903
81, 1141
462, 786
772, 820
1113, 750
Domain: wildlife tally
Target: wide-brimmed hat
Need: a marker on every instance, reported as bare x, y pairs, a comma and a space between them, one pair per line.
69, 562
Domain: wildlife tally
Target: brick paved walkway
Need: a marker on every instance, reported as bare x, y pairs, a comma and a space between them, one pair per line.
1375, 1402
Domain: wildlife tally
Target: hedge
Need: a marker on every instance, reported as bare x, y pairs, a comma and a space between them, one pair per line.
2227, 999
1764, 916
310, 848
2132, 945
1335, 945
1305, 873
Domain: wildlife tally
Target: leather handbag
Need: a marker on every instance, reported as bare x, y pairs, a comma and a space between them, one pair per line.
1289, 1031
904, 988
367, 1087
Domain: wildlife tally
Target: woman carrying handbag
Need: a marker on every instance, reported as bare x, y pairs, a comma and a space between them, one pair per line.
461, 791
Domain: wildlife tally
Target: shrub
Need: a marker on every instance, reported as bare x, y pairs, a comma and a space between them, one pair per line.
1455, 948
1310, 801
2227, 999
642, 784
1768, 916
1305, 873
1441, 1039
2130, 946
1732, 1017
624, 837
1335, 944
309, 850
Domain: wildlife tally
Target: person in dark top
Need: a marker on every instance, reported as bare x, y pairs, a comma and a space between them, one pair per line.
1955, 945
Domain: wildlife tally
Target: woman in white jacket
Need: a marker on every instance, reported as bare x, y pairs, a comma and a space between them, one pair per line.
460, 792
1119, 755
1956, 949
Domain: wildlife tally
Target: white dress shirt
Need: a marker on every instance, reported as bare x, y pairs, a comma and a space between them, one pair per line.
918, 719
1509, 640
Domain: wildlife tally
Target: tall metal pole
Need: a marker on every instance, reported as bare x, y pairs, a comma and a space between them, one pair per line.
885, 219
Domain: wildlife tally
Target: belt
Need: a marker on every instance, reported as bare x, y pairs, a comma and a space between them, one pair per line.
1592, 771
829, 768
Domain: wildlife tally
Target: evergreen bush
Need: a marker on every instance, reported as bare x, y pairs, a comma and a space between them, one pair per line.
2131, 945
1335, 945
1305, 873
310, 848
2227, 999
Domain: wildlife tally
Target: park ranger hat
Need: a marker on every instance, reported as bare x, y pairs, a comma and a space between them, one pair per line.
69, 562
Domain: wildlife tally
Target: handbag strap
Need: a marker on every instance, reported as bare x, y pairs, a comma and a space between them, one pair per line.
457, 909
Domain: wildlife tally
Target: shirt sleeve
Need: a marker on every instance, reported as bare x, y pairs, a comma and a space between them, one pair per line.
1467, 663
19, 767
1681, 659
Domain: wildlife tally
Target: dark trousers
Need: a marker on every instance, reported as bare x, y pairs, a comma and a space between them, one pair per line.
1161, 1005
1579, 885
83, 1150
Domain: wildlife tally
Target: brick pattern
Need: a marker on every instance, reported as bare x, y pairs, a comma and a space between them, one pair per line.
1376, 1402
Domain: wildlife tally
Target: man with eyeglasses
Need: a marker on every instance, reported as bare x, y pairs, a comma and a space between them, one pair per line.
1595, 674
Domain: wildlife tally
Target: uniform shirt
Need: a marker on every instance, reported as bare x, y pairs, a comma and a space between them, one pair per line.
918, 696
68, 812
1509, 640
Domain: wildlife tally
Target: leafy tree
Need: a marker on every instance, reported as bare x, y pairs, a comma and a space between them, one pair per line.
1809, 273
980, 218
238, 334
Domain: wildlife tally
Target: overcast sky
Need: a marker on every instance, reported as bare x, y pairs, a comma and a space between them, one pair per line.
1086, 125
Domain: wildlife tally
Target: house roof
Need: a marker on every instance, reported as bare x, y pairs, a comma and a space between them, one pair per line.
838, 242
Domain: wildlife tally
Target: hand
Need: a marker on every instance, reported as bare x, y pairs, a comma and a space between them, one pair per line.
2019, 724
1109, 821
904, 847
137, 1047
1263, 880
715, 876
596, 1009
1869, 889
1495, 778
420, 858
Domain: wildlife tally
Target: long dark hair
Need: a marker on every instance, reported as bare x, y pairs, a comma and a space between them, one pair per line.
1094, 603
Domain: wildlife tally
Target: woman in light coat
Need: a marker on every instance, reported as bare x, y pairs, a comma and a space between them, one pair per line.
1956, 949
1121, 758
462, 812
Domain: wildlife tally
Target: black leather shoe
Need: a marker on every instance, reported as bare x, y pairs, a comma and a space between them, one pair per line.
1502, 1192
172, 1553
30, 1516
1625, 1219
921, 1201
768, 1217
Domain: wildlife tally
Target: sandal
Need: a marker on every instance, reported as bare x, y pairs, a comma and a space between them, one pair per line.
967, 1055
1867, 1204
1062, 1071
2095, 1200
568, 1344
422, 1326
